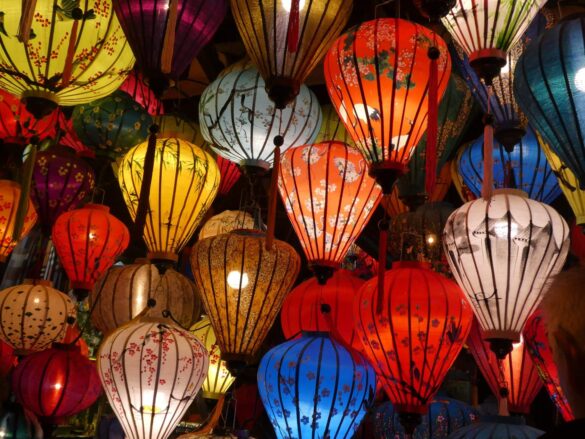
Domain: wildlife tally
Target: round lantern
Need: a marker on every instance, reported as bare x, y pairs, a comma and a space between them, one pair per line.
323, 308
536, 340
70, 55
242, 285
184, 184
420, 319
111, 125
151, 371
240, 121
524, 167
9, 198
56, 383
218, 379
124, 292
88, 241
61, 181
377, 76
225, 222
137, 87
7, 359
34, 316
329, 197
315, 387
502, 252
498, 427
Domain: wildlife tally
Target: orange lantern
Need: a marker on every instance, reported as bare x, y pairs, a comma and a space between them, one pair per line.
9, 199
329, 198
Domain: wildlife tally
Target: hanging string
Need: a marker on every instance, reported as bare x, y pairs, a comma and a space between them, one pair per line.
292, 40
273, 194
76, 15
26, 180
166, 60
26, 17
432, 118
487, 187
383, 226
144, 199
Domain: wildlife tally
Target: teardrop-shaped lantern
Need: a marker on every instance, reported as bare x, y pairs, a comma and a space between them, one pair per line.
377, 76
184, 184
502, 251
225, 222
329, 197
242, 285
9, 198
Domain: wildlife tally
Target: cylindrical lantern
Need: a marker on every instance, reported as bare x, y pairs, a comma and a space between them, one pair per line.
329, 197
502, 252
137, 87
498, 427
219, 379
151, 371
240, 121
184, 184
315, 387
88, 241
377, 76
242, 285
124, 292
225, 222
9, 198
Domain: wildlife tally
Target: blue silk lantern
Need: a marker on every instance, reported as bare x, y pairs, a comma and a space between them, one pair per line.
313, 387
525, 168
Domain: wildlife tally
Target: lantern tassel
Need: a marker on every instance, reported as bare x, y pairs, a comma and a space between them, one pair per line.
143, 201
26, 18
271, 220
166, 61
293, 27
383, 225
23, 201
432, 122
68, 68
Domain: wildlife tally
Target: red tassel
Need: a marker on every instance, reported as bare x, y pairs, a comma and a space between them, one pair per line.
166, 62
271, 220
293, 26
382, 248
487, 187
144, 199
432, 122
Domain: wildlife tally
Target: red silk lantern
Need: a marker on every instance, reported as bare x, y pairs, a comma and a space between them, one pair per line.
230, 174
88, 241
7, 358
135, 85
536, 340
329, 308
412, 333
520, 376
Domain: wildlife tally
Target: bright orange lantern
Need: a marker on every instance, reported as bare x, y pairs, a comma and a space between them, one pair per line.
9, 199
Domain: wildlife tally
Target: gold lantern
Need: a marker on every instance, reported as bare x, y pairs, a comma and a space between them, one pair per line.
185, 180
9, 199
243, 285
225, 222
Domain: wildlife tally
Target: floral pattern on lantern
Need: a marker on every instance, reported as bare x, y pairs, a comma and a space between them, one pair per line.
225, 222
9, 198
18, 126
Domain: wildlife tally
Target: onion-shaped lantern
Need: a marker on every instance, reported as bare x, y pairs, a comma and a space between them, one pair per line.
7, 358
9, 199
329, 197
218, 379
137, 87
88, 241
61, 181
124, 292
377, 76
536, 341
239, 120
502, 252
184, 184
151, 371
419, 318
34, 316
287, 39
315, 387
225, 222
311, 307
498, 427
524, 167
68, 55
242, 285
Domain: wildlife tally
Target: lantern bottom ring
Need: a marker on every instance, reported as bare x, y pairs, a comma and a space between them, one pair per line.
509, 136
282, 91
386, 174
409, 421
323, 270
487, 63
39, 103
254, 168
211, 395
161, 257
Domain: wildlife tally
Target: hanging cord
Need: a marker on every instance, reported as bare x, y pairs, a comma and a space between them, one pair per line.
273, 195
383, 226
144, 199
166, 61
432, 118
488, 151
26, 180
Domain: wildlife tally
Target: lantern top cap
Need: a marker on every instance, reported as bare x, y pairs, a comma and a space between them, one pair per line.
510, 191
411, 264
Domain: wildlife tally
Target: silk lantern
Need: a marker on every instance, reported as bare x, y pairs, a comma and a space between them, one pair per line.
225, 222
34, 316
377, 76
498, 427
329, 197
184, 184
136, 85
315, 387
412, 330
88, 241
62, 54
536, 341
10, 192
501, 252
151, 371
242, 285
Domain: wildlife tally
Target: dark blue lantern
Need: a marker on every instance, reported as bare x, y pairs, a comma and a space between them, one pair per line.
498, 427
524, 168
314, 387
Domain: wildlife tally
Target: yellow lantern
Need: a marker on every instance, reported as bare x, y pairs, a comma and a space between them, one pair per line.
225, 222
71, 55
9, 199
185, 180
243, 285
218, 379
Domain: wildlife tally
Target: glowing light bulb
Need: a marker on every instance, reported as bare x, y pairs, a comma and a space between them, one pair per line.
502, 230
237, 280
580, 79
37, 300
153, 403
92, 235
58, 386
286, 4
431, 239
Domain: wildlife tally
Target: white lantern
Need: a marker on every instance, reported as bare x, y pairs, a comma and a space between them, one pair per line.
151, 370
502, 253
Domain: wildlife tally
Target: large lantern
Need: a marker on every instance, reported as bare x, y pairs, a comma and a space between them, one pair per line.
329, 197
502, 252
419, 318
9, 199
88, 241
34, 316
377, 76
242, 285
151, 371
239, 120
184, 184
315, 387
